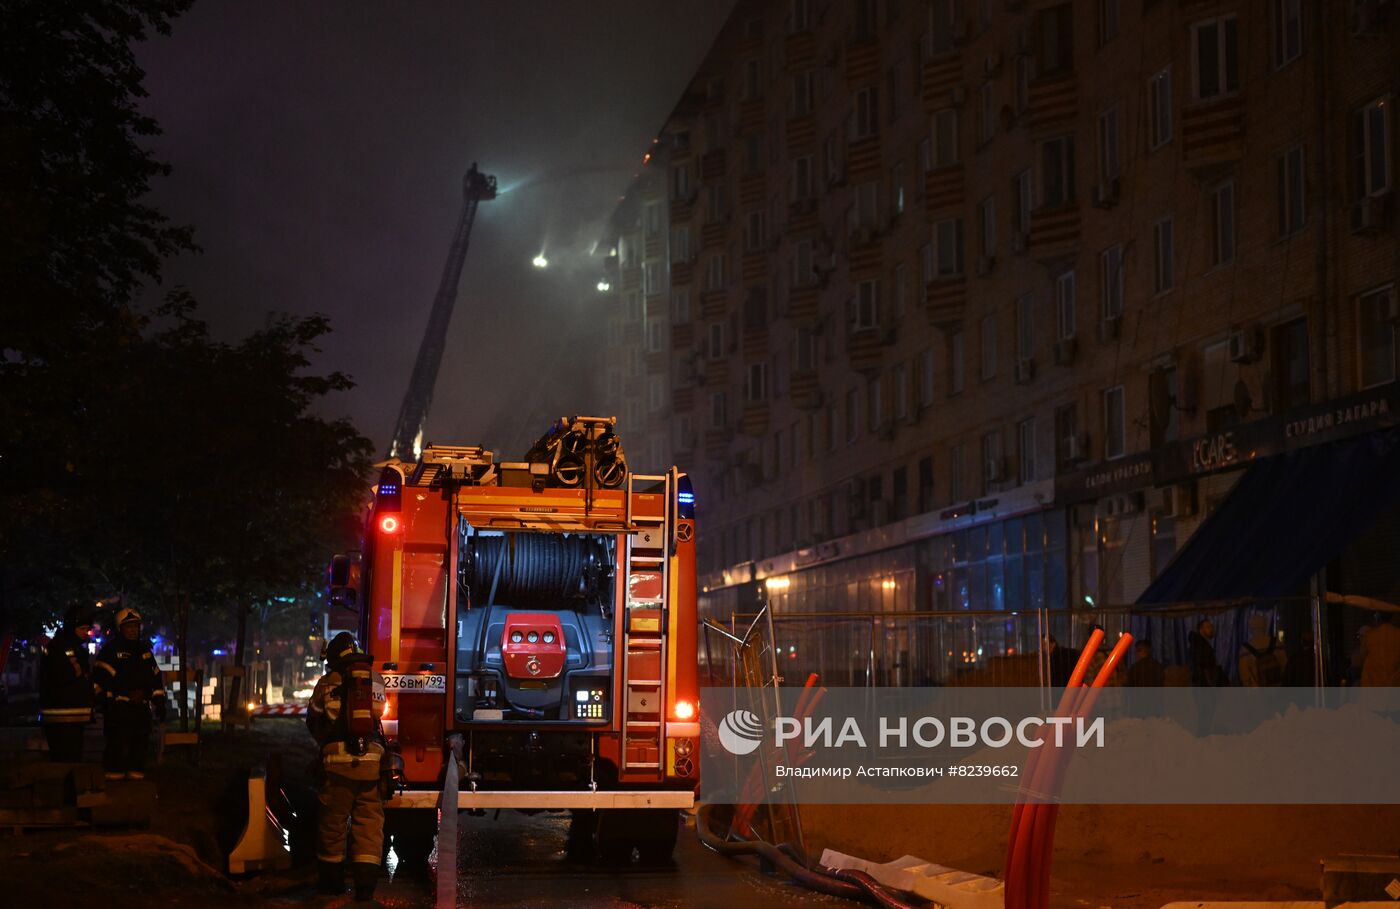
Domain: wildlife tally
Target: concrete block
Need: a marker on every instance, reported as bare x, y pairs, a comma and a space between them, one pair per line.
127, 803
1360, 878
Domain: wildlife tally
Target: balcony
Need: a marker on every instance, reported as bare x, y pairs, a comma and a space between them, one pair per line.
802, 216
651, 249
683, 336
864, 348
804, 387
717, 444
714, 304
1213, 132
946, 301
682, 273
800, 51
799, 133
756, 341
944, 187
862, 62
1052, 100
802, 303
1054, 231
755, 267
752, 191
751, 116
716, 372
713, 165
682, 209
863, 159
683, 398
863, 257
756, 418
714, 234
939, 78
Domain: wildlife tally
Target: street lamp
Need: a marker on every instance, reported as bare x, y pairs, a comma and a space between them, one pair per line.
540, 261
604, 287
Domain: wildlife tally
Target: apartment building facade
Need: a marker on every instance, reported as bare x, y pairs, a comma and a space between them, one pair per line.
985, 304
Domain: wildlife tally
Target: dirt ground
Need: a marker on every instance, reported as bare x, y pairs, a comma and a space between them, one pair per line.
178, 859
1131, 856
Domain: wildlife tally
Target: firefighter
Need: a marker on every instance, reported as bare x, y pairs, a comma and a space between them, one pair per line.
344, 720
65, 686
129, 687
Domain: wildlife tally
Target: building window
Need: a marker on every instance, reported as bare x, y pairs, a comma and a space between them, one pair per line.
852, 414
1111, 282
680, 306
925, 154
1288, 31
943, 26
753, 79
1376, 334
614, 332
718, 415
680, 244
1021, 190
866, 212
1024, 67
955, 363
925, 484
799, 15
1025, 450
897, 188
802, 177
901, 291
831, 428
926, 263
1223, 223
986, 113
1064, 305
715, 208
757, 387
716, 341
945, 138
803, 272
901, 391
653, 278
1216, 50
987, 227
655, 335
1025, 327
867, 305
993, 468
989, 347
948, 248
656, 395
926, 378
753, 154
1163, 256
805, 350
633, 307
756, 231
800, 103
831, 155
1370, 149
874, 403
1114, 423
1109, 166
680, 181
653, 219
955, 472
1068, 449
1292, 188
1057, 172
1163, 397
1056, 29
1291, 371
867, 112
715, 269
1159, 93
1108, 20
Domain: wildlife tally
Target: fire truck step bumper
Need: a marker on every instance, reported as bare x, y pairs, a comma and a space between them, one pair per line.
548, 799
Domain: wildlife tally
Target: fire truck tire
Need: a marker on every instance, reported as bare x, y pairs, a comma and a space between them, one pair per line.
411, 832
650, 831
658, 843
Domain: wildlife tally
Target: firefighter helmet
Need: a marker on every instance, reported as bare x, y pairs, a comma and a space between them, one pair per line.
340, 648
127, 615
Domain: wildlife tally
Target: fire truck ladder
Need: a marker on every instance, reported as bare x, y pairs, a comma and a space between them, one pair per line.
644, 631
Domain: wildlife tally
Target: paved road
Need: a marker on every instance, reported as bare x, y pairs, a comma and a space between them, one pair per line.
519, 862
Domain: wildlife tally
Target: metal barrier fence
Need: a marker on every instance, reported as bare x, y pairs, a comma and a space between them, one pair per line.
1303, 643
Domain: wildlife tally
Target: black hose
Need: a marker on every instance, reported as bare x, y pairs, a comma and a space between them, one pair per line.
851, 885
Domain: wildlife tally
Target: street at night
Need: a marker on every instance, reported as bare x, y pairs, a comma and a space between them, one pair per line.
717, 454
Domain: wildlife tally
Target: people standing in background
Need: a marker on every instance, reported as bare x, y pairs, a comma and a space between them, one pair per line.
65, 686
1261, 662
129, 687
1205, 668
1301, 670
1145, 672
1380, 655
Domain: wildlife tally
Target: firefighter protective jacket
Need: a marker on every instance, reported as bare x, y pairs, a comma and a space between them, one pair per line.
326, 720
126, 671
65, 680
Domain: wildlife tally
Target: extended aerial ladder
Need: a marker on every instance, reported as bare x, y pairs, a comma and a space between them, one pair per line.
407, 441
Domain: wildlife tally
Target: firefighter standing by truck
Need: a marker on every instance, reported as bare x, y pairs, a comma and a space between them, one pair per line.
129, 686
344, 719
65, 686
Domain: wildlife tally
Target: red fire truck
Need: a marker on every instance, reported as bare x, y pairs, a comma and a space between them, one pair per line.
537, 620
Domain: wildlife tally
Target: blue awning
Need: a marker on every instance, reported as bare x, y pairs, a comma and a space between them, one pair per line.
1288, 516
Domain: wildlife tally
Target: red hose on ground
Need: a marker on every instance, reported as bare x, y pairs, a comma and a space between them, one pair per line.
1018, 840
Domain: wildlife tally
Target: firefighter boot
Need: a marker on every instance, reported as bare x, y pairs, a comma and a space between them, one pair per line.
365, 876
331, 878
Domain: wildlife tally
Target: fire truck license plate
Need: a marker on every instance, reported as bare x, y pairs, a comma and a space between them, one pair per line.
414, 684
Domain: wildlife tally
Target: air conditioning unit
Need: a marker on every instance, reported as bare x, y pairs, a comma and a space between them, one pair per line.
957, 96
992, 64
1065, 349
1370, 214
1106, 193
985, 264
1025, 370
1020, 242
1109, 328
1244, 344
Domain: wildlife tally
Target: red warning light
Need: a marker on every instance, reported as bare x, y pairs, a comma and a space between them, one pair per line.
389, 524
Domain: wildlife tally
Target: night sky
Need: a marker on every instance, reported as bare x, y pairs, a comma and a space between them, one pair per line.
318, 151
